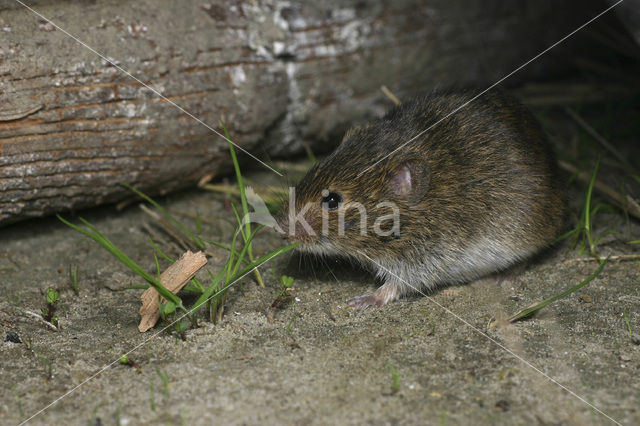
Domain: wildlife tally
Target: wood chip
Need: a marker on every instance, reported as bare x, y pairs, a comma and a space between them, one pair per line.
173, 278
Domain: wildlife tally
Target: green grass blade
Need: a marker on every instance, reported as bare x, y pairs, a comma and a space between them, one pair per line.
601, 206
115, 251
219, 245
243, 200
209, 294
238, 220
166, 214
155, 257
229, 263
265, 258
565, 235
241, 188
246, 240
98, 237
160, 252
524, 313
210, 291
587, 208
243, 252
197, 284
604, 234
190, 288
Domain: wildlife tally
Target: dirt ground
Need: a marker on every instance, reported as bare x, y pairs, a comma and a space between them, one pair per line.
422, 360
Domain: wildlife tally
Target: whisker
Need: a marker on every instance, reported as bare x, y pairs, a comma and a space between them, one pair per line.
313, 269
329, 268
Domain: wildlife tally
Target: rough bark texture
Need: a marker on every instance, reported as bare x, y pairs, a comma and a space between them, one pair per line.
280, 72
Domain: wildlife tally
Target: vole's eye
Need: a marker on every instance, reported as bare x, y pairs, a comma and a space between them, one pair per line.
331, 200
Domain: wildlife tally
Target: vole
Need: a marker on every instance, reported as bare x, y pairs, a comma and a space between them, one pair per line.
473, 195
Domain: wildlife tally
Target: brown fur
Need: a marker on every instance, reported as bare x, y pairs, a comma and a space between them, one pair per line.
484, 192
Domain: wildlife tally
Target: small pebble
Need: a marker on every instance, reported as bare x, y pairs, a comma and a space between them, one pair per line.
586, 298
12, 337
503, 404
624, 357
635, 338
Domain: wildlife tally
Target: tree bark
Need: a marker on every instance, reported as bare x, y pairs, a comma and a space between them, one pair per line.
281, 73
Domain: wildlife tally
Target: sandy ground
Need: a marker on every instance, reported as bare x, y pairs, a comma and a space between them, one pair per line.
315, 361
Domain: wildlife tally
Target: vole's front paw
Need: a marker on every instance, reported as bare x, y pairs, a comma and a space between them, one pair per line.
383, 295
365, 301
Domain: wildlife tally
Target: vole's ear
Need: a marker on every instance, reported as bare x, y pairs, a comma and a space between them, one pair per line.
409, 181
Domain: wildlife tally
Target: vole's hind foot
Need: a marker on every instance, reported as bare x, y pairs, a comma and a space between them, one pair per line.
383, 295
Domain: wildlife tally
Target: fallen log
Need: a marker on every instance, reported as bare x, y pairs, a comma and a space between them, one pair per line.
282, 74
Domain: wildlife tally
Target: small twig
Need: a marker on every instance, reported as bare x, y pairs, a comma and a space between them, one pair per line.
619, 257
125, 203
624, 202
154, 235
36, 316
194, 217
166, 226
206, 179
390, 95
601, 140
11, 115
